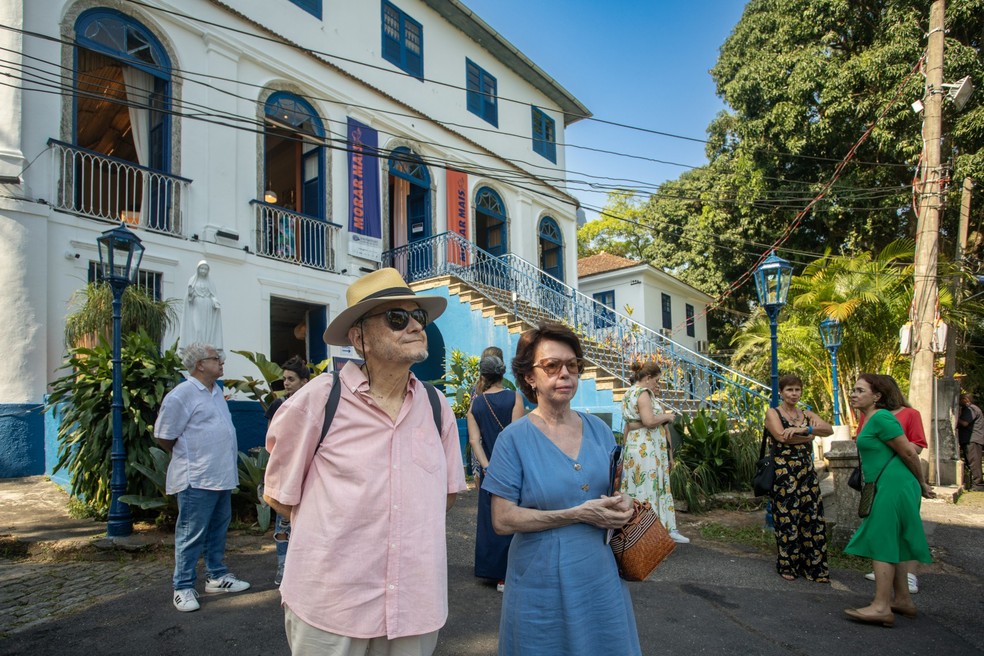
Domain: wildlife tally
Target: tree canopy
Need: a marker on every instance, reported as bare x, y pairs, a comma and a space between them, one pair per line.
804, 81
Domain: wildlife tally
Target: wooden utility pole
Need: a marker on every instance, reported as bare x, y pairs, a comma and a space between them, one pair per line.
925, 290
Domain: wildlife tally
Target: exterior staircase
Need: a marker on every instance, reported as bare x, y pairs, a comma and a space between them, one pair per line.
515, 293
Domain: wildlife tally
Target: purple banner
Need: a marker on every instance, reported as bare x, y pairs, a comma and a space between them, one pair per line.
364, 205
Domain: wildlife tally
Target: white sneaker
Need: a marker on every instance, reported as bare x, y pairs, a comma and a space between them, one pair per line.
186, 600
227, 583
676, 537
913, 581
500, 586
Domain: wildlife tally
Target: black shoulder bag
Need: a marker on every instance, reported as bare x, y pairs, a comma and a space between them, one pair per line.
765, 469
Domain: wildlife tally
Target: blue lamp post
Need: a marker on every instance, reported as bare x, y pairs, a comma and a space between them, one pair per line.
772, 286
831, 332
120, 252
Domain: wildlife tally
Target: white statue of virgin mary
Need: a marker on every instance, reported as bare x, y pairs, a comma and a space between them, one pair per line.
202, 320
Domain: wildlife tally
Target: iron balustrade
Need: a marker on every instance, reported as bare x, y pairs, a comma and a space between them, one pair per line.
293, 237
610, 339
100, 186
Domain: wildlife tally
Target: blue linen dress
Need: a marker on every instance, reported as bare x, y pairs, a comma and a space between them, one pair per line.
563, 593
491, 549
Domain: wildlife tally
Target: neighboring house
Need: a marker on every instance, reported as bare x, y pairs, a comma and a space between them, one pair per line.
243, 133
648, 295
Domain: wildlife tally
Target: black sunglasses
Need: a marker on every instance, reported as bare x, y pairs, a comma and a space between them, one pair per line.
398, 318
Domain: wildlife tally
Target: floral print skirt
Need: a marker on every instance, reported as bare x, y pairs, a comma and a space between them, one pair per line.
797, 511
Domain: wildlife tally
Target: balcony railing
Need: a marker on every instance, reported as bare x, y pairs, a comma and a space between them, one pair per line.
293, 237
610, 339
99, 186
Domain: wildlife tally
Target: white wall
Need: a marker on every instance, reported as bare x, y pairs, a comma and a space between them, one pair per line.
224, 164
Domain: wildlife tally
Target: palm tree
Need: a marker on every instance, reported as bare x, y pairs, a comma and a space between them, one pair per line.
869, 294
93, 315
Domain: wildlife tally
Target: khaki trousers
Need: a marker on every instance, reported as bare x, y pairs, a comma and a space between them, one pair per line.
306, 640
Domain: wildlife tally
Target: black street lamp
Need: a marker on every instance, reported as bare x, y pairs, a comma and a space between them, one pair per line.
831, 332
120, 252
772, 286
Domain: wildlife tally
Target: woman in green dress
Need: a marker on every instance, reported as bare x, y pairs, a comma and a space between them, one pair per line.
893, 533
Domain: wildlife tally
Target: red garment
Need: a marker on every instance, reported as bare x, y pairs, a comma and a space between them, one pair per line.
911, 422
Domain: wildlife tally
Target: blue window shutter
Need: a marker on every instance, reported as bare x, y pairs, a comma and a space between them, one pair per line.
312, 7
691, 331
544, 135
413, 46
391, 35
403, 40
474, 85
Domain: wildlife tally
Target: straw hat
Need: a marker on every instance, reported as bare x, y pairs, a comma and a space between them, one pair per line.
372, 290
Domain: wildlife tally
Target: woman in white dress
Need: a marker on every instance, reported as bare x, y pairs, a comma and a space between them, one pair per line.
648, 454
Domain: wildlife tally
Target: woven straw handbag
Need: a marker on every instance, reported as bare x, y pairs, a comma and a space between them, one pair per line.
642, 544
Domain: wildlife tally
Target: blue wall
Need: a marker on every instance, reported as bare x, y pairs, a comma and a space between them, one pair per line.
21, 440
467, 330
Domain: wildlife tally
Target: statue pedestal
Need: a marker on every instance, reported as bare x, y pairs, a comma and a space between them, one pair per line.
841, 506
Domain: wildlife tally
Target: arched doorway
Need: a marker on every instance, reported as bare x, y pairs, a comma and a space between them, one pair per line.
551, 252
294, 179
410, 213
492, 235
122, 101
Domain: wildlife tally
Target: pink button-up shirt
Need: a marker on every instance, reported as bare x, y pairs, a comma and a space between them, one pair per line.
367, 555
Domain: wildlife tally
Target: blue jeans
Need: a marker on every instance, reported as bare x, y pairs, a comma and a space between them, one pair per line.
280, 528
203, 519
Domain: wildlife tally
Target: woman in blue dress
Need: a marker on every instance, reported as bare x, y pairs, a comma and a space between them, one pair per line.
492, 409
549, 481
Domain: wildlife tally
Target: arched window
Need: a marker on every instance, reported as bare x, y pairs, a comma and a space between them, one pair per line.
122, 105
551, 248
490, 222
294, 158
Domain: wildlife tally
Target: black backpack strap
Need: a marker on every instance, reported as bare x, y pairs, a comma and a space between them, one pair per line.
435, 400
330, 406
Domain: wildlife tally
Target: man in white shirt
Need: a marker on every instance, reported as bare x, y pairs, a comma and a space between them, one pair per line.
195, 427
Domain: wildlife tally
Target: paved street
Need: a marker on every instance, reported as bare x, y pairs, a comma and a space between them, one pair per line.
706, 599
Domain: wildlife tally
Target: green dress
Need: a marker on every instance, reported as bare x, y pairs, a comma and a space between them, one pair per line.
893, 532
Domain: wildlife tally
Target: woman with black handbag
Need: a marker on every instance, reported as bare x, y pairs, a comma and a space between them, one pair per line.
797, 508
892, 532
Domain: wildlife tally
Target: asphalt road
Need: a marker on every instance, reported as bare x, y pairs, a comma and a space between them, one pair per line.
705, 599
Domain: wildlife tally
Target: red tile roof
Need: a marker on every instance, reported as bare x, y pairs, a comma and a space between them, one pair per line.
601, 263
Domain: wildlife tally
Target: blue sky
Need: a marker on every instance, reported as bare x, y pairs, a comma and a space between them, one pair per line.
643, 63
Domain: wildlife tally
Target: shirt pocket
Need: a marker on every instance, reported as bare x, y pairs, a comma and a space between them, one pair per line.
426, 450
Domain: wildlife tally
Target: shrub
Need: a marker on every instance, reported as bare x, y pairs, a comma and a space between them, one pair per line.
711, 458
83, 398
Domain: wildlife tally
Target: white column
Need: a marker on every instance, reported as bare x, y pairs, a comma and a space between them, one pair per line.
12, 41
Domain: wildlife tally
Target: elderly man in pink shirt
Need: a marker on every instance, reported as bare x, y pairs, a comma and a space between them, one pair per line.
366, 572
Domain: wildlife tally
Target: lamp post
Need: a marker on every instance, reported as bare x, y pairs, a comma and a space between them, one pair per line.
120, 252
772, 286
831, 332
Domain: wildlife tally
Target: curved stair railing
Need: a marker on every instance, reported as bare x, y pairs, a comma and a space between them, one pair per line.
610, 339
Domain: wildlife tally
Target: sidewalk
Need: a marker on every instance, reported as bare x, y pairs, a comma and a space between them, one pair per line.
707, 598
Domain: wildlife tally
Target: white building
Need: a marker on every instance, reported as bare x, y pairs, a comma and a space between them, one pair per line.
648, 295
242, 132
